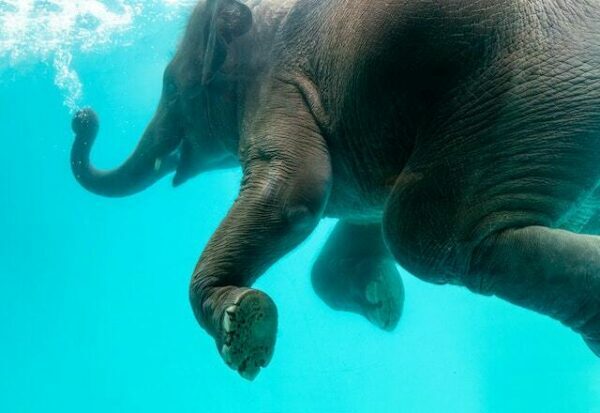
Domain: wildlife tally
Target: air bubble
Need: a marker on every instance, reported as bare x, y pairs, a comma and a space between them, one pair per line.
54, 31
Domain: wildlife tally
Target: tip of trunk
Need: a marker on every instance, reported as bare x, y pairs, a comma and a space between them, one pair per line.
85, 124
151, 160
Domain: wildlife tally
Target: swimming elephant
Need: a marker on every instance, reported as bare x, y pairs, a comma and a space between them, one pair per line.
460, 138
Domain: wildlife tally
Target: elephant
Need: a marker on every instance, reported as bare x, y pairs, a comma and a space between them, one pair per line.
458, 139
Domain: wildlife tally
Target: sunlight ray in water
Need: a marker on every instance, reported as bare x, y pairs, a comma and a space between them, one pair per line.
52, 31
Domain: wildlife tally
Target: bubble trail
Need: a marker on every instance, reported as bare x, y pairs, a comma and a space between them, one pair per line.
53, 31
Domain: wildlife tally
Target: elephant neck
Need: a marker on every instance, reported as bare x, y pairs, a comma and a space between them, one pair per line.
268, 17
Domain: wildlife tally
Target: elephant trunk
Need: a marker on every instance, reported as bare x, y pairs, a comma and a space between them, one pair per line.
153, 158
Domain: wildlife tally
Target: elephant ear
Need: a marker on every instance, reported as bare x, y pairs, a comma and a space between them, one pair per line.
228, 19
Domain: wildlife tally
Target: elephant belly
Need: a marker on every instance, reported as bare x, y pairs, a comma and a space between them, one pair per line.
366, 161
358, 199
523, 144
508, 129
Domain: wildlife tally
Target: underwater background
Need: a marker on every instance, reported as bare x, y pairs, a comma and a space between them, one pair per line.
94, 314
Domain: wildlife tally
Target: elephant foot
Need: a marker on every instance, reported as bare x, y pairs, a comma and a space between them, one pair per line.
384, 296
248, 333
371, 288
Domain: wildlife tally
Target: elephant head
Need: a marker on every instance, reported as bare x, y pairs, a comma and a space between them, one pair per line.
195, 127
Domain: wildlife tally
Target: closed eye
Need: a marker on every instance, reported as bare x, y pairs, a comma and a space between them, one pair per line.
169, 84
169, 88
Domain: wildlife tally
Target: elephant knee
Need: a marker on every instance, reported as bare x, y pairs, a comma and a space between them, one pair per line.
418, 226
477, 276
418, 252
432, 250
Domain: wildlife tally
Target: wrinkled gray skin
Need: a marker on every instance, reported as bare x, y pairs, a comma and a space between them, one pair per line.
466, 132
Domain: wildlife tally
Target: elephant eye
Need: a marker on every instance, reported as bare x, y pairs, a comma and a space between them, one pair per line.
169, 87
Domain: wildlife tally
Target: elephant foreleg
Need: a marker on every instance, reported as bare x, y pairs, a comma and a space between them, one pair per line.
284, 190
355, 272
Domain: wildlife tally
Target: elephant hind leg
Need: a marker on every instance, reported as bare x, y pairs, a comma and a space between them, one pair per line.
552, 271
515, 256
355, 272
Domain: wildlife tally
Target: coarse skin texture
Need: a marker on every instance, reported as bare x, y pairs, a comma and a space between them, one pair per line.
466, 134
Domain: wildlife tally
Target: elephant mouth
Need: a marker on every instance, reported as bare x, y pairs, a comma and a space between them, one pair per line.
192, 160
172, 158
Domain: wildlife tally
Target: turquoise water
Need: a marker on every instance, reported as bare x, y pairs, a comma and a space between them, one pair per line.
94, 315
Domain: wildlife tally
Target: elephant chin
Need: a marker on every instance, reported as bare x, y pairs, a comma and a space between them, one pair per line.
153, 158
